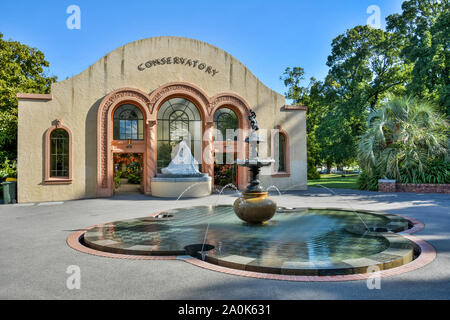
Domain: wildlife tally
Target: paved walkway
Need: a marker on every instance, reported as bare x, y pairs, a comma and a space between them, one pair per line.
34, 255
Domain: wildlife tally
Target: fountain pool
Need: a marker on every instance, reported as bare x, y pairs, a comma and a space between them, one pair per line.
299, 241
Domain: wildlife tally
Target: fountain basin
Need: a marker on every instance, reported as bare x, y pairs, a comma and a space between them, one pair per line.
172, 186
299, 241
255, 207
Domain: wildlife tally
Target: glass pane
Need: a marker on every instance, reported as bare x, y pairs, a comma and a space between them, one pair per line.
282, 153
134, 129
128, 123
141, 129
164, 154
225, 119
59, 153
178, 119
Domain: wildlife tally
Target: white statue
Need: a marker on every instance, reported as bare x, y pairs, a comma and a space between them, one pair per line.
183, 163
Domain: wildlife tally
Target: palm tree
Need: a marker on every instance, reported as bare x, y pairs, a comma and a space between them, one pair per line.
403, 136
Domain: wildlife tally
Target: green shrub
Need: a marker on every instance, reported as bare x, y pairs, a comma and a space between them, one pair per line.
407, 141
434, 172
134, 178
313, 174
367, 182
8, 169
223, 174
117, 179
437, 172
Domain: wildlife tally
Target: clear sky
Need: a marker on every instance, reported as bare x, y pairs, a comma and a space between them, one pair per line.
266, 36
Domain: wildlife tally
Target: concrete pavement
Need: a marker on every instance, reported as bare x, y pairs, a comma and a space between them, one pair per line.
34, 255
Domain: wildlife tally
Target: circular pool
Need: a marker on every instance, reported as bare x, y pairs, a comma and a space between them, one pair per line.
300, 241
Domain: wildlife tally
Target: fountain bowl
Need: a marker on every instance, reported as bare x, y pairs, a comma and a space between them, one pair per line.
255, 207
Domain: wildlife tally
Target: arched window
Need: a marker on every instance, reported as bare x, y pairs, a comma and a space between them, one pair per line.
225, 119
178, 119
280, 152
128, 123
58, 155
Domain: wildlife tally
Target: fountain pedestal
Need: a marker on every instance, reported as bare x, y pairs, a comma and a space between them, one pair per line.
254, 206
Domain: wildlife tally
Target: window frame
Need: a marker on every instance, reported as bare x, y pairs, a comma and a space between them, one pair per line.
139, 123
287, 172
224, 112
48, 179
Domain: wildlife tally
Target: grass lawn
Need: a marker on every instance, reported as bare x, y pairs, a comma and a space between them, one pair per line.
335, 181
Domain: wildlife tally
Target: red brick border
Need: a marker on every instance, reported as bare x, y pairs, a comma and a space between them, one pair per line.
427, 255
73, 241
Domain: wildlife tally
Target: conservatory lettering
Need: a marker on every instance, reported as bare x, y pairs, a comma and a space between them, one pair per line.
195, 64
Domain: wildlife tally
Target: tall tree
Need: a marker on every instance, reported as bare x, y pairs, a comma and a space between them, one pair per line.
22, 69
365, 67
424, 28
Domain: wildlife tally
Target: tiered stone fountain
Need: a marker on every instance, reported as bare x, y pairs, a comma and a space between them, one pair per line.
254, 206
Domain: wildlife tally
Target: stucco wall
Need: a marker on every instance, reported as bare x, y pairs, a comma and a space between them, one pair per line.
76, 100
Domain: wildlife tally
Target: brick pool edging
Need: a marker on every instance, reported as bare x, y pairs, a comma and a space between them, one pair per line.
73, 241
427, 255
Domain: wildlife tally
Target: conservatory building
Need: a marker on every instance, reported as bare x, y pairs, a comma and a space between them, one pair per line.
113, 127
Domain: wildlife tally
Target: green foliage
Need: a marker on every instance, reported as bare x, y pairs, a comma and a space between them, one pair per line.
424, 28
367, 67
292, 79
164, 154
404, 137
364, 68
310, 96
117, 177
8, 169
434, 172
313, 174
22, 69
134, 172
367, 182
134, 178
223, 174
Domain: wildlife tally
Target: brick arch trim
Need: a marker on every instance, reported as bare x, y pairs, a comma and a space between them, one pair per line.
104, 131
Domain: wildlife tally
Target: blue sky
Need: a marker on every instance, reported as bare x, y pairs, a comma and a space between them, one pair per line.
267, 36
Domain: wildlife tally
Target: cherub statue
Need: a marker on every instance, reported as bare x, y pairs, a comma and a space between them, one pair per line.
253, 122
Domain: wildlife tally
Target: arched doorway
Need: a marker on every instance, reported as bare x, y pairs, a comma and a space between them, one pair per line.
132, 106
128, 127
